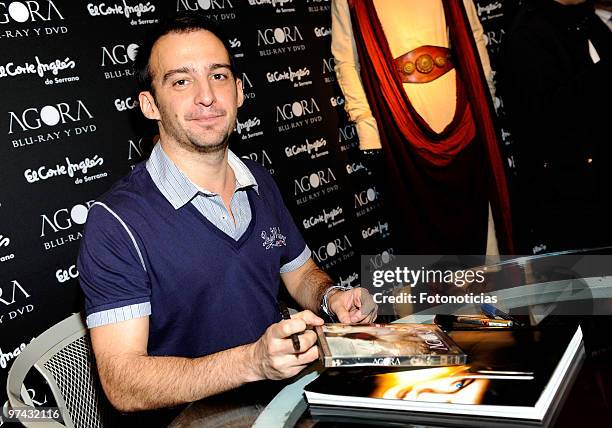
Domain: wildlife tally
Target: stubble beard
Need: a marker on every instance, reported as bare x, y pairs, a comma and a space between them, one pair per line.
217, 142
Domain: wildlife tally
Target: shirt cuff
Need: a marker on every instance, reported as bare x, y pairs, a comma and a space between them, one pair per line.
367, 131
297, 262
116, 315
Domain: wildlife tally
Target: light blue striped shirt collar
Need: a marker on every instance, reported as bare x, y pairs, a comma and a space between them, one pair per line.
178, 189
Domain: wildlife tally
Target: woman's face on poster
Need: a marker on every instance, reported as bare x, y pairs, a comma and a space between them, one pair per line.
440, 385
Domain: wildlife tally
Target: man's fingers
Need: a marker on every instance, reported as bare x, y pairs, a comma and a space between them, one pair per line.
286, 328
302, 358
309, 317
283, 346
309, 356
353, 306
307, 340
358, 294
291, 363
370, 317
342, 314
278, 354
361, 317
367, 311
367, 302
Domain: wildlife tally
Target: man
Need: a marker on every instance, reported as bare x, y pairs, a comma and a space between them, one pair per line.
180, 260
558, 63
411, 74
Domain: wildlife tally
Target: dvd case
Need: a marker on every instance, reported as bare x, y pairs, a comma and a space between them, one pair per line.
387, 345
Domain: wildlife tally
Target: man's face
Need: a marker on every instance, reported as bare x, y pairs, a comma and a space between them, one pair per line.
196, 94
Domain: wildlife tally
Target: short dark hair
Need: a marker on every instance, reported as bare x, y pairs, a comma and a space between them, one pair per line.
182, 22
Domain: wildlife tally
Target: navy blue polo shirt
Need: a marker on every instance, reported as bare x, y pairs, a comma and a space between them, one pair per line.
204, 288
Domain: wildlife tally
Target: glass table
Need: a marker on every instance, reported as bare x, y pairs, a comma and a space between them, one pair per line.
576, 285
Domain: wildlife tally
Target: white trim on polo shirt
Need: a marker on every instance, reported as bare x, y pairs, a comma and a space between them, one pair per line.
297, 262
123, 313
114, 214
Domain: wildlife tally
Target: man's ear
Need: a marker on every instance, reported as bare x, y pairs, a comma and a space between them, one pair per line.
148, 106
239, 92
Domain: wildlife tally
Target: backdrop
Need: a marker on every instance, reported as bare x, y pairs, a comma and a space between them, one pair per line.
70, 126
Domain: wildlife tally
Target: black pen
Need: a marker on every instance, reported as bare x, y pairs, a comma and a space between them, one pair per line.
286, 316
493, 312
483, 322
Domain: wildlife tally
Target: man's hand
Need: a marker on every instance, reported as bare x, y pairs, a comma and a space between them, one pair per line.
353, 306
273, 353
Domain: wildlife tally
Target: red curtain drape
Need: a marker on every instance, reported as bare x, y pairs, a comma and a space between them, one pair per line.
473, 111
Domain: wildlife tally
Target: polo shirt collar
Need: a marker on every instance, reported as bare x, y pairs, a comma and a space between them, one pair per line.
178, 189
